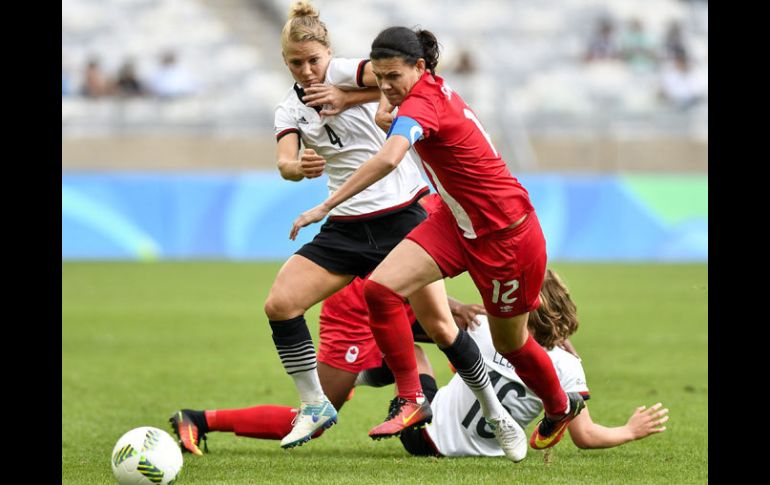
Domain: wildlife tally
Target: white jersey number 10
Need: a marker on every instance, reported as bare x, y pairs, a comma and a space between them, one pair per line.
482, 428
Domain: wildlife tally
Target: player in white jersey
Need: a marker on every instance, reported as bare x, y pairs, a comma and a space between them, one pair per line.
459, 429
358, 234
345, 141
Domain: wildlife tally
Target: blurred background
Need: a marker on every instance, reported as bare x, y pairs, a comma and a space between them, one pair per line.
599, 107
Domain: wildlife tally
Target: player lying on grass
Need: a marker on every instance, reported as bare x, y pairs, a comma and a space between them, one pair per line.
458, 430
347, 348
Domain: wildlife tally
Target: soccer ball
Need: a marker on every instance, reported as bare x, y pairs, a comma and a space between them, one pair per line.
146, 456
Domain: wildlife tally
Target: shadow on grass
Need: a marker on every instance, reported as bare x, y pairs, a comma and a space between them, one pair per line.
304, 451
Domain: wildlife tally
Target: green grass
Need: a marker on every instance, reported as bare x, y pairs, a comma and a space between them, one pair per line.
140, 340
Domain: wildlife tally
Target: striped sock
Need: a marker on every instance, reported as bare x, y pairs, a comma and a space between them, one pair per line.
295, 348
465, 356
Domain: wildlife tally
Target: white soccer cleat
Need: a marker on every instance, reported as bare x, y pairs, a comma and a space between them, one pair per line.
510, 436
310, 418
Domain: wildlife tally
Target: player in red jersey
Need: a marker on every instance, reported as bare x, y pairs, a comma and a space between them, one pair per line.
486, 226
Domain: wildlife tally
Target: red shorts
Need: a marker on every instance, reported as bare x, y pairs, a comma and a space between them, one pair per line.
341, 352
346, 339
507, 266
347, 342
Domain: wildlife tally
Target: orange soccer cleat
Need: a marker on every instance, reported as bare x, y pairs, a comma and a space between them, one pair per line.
548, 432
403, 414
188, 431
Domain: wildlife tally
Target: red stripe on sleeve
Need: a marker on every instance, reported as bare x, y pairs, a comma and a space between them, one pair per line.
286, 132
360, 73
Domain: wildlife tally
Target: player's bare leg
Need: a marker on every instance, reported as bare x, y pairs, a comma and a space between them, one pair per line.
301, 283
336, 383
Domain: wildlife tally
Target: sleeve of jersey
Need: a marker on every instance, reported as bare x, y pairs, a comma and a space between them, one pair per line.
284, 124
573, 377
421, 109
346, 73
406, 127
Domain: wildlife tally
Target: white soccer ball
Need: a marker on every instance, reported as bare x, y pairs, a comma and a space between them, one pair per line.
146, 456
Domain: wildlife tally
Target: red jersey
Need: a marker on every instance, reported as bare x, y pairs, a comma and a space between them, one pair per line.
461, 162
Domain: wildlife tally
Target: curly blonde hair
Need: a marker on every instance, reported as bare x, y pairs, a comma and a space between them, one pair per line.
304, 25
556, 318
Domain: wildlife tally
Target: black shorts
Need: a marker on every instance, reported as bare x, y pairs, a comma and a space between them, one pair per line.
419, 333
357, 247
417, 442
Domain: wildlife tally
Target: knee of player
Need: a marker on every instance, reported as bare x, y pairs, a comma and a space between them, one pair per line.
277, 308
508, 342
444, 335
378, 295
371, 291
506, 346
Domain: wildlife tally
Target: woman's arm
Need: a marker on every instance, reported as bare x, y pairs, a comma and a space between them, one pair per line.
368, 78
374, 169
465, 315
294, 167
644, 422
338, 100
384, 116
288, 163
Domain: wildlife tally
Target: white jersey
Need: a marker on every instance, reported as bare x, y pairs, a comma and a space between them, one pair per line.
346, 141
458, 427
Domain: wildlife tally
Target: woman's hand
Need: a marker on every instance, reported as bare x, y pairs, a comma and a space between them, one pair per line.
384, 116
465, 315
311, 164
315, 214
645, 422
332, 99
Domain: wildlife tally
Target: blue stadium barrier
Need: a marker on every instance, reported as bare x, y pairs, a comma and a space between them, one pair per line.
247, 216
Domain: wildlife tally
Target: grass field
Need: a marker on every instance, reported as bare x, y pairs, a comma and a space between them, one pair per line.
142, 340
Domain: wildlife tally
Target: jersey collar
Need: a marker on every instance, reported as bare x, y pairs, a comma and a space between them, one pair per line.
300, 93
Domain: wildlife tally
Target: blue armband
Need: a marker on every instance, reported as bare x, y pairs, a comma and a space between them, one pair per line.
406, 127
